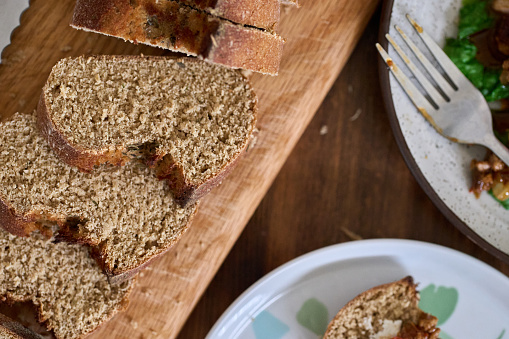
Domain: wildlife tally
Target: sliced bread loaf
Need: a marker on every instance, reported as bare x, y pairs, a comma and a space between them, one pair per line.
189, 119
10, 329
171, 25
257, 13
125, 214
384, 312
65, 285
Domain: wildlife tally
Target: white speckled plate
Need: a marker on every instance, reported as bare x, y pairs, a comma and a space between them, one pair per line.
300, 298
439, 165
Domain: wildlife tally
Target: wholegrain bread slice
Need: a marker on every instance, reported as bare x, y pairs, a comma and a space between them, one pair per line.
171, 25
125, 214
66, 286
263, 14
384, 312
10, 329
189, 119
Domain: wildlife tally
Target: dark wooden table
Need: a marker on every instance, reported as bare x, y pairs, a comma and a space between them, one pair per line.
345, 179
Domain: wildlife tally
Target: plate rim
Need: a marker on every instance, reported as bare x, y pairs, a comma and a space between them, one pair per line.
384, 76
382, 245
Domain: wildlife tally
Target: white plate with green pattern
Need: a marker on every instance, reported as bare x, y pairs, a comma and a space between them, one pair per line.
297, 300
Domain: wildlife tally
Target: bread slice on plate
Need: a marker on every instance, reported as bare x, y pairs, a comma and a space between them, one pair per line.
262, 14
65, 285
10, 329
384, 312
124, 214
189, 119
172, 25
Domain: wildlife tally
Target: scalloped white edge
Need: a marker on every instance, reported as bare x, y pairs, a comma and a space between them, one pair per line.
10, 16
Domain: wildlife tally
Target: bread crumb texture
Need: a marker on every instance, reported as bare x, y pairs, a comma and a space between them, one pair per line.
67, 287
365, 316
126, 212
200, 115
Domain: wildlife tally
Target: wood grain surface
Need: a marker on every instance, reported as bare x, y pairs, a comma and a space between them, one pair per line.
320, 37
345, 180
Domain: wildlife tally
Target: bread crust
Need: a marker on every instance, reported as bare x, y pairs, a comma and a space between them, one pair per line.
73, 155
12, 329
258, 13
184, 191
124, 303
24, 224
187, 193
237, 47
192, 32
13, 223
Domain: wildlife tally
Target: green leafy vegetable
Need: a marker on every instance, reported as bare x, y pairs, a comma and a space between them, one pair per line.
498, 93
474, 17
491, 78
462, 52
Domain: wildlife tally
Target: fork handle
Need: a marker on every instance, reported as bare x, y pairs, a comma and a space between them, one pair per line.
497, 147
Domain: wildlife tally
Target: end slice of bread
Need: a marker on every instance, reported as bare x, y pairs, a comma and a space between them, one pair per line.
125, 214
188, 119
384, 312
65, 285
171, 25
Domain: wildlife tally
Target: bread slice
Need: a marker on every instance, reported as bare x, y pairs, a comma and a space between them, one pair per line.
385, 311
188, 119
65, 285
257, 13
10, 329
125, 214
171, 25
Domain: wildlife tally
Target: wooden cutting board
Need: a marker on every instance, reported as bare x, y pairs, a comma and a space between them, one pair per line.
320, 37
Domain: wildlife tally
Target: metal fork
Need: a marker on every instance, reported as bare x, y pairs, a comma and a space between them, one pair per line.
454, 107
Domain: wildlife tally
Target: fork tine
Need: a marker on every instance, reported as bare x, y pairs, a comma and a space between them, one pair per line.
435, 75
447, 65
430, 89
422, 104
